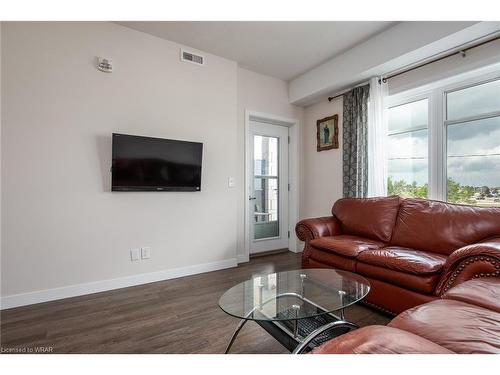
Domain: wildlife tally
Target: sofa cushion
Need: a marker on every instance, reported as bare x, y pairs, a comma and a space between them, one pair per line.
372, 218
458, 326
331, 260
345, 245
440, 227
480, 292
419, 283
404, 260
380, 340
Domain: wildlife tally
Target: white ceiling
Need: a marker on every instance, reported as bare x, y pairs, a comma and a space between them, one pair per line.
280, 49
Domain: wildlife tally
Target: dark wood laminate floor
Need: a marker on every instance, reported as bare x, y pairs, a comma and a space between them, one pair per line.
173, 316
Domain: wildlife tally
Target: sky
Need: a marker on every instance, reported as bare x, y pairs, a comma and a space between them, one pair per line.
480, 137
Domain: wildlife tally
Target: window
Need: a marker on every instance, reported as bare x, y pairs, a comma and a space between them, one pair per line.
460, 162
408, 149
266, 179
473, 145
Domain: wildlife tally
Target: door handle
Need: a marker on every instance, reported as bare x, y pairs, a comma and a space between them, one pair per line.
252, 198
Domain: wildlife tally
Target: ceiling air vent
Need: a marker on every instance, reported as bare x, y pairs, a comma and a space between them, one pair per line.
192, 58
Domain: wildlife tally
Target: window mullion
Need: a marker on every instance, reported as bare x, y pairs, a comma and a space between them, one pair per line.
433, 146
436, 145
441, 159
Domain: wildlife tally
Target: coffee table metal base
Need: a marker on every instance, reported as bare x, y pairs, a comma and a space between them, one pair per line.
298, 335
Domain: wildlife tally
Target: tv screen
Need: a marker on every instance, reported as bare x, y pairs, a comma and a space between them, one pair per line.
155, 164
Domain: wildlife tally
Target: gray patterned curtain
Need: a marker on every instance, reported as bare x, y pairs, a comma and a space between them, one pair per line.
355, 142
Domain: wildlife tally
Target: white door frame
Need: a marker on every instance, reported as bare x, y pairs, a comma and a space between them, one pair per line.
293, 175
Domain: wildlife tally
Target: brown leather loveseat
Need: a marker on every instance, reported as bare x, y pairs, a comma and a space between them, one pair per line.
466, 319
411, 250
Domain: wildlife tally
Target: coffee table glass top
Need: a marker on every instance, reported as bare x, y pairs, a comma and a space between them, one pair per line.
294, 294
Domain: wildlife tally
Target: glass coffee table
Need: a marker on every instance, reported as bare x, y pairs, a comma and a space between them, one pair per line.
301, 309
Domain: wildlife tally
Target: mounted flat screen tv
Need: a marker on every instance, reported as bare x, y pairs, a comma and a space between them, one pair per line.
155, 164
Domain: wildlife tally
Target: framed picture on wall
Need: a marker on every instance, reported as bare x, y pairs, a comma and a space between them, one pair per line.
327, 130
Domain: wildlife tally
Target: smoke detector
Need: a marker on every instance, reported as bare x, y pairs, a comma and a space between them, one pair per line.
104, 65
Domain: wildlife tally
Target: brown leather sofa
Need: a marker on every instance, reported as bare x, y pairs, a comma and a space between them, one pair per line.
465, 320
411, 250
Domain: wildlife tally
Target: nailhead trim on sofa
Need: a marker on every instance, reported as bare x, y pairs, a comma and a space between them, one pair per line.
494, 262
364, 302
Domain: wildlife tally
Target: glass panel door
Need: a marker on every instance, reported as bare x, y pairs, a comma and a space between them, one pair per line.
265, 195
267, 220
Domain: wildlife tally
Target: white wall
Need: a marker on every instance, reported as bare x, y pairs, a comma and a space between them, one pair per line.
321, 171
61, 224
260, 93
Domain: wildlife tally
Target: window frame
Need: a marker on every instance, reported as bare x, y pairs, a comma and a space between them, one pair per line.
436, 94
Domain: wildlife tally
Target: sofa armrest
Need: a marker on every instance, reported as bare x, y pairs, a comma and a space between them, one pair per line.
479, 292
309, 229
471, 262
378, 339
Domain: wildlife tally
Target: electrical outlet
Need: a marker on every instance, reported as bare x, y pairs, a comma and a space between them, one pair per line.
135, 254
145, 252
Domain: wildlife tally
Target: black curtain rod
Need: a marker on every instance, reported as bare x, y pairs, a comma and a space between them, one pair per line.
330, 98
460, 51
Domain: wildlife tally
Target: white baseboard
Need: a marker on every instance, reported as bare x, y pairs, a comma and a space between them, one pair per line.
39, 296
